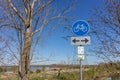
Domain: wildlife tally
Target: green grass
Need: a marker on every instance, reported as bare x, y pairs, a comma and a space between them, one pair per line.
37, 78
102, 70
65, 76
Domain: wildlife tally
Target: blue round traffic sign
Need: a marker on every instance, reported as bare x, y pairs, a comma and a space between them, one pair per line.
80, 28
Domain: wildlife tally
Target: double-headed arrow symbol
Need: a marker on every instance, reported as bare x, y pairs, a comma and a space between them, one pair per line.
85, 40
75, 40
82, 40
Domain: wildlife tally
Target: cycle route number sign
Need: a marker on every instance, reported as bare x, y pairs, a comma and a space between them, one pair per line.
80, 28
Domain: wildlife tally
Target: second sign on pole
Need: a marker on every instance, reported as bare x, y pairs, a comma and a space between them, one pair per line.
82, 40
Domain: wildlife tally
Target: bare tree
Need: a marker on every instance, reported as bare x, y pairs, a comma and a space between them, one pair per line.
106, 27
22, 23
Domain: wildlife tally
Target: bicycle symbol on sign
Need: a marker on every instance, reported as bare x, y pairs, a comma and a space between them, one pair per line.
80, 28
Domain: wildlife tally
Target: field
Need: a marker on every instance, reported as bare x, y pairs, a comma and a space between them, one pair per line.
99, 72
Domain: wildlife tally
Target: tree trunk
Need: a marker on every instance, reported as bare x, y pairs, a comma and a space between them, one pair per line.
25, 57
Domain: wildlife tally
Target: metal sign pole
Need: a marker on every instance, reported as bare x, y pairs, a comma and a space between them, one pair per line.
80, 69
80, 28
80, 58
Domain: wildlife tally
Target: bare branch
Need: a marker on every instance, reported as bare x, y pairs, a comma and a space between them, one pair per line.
41, 27
1, 19
30, 22
41, 8
10, 49
32, 5
34, 46
16, 11
45, 21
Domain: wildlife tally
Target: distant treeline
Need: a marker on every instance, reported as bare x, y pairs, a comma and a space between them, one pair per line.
107, 66
8, 68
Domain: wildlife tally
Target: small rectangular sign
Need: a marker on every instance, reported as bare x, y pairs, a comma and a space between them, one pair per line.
82, 40
80, 53
80, 50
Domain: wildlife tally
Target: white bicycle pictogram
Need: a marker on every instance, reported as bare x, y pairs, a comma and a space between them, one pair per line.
80, 28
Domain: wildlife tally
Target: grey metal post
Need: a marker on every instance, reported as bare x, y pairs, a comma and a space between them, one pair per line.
80, 69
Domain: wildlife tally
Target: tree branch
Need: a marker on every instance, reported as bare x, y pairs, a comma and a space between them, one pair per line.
32, 5
41, 27
10, 49
16, 11
41, 8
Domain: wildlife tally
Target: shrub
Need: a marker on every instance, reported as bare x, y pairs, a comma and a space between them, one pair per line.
65, 76
1, 69
31, 72
37, 78
38, 71
43, 68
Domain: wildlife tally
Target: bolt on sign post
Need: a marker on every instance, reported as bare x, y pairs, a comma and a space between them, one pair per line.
80, 28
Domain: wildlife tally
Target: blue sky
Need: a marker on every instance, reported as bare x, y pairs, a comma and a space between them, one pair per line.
57, 49
54, 47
